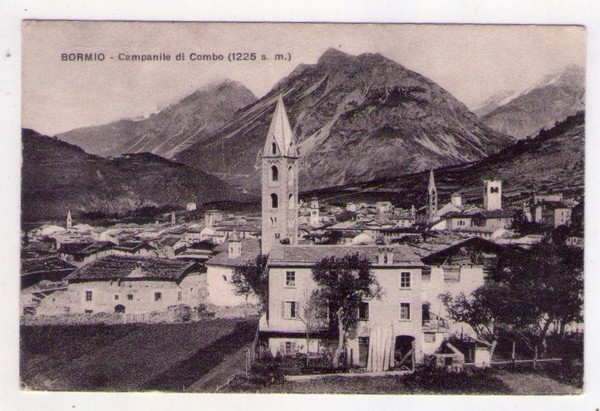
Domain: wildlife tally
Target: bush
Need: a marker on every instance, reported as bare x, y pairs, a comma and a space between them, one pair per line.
437, 379
182, 313
266, 372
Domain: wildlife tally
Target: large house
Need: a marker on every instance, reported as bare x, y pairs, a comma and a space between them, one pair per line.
221, 291
136, 285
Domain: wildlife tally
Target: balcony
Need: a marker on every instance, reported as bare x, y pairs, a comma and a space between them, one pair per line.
435, 323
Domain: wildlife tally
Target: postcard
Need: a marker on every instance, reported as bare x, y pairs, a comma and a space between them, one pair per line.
302, 208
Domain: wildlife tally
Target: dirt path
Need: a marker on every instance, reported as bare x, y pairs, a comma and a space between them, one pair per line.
232, 364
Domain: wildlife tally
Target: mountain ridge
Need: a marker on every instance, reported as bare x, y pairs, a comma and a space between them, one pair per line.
554, 98
170, 130
355, 118
57, 175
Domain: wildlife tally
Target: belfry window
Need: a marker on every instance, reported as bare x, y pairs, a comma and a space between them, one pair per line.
291, 203
274, 148
274, 173
274, 201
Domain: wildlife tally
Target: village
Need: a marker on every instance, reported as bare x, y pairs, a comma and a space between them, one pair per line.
186, 266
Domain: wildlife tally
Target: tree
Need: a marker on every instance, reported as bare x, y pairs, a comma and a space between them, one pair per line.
343, 283
487, 311
546, 285
313, 313
253, 278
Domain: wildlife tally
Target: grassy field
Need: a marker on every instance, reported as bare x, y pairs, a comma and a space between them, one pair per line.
128, 357
481, 382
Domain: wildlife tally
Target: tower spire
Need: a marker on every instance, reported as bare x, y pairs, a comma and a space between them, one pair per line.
280, 137
432, 199
69, 219
431, 181
279, 183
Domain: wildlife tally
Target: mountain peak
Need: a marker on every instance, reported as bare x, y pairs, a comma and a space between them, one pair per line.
333, 55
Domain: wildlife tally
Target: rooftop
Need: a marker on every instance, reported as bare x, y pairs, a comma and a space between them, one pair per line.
85, 248
115, 267
250, 249
46, 264
311, 254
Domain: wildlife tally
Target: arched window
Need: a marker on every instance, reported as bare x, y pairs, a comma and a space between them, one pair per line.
290, 176
274, 173
274, 148
291, 201
274, 201
120, 308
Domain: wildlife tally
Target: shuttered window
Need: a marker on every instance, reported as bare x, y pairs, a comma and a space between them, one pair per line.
290, 309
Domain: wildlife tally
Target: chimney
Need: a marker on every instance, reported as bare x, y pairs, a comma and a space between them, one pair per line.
137, 271
385, 256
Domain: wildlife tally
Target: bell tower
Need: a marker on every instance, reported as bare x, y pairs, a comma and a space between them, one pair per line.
432, 199
69, 219
279, 183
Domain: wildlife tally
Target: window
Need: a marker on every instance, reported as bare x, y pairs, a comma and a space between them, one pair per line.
274, 173
88, 296
290, 278
405, 311
274, 148
494, 189
224, 278
290, 310
273, 221
429, 338
290, 347
157, 296
451, 275
89, 311
179, 295
405, 280
291, 202
274, 201
130, 297
116, 296
363, 311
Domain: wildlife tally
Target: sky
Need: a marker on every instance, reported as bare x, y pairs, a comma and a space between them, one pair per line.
472, 62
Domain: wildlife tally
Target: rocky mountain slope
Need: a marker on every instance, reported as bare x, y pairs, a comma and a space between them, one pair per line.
494, 101
356, 118
57, 175
553, 160
552, 100
169, 131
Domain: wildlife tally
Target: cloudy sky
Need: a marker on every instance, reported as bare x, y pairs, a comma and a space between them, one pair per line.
471, 62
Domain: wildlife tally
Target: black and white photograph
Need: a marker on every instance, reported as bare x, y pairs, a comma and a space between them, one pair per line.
310, 208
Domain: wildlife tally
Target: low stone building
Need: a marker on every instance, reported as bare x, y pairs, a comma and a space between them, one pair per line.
136, 285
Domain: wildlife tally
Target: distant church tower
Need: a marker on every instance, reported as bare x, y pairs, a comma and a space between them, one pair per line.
173, 219
432, 199
69, 219
314, 212
279, 183
492, 195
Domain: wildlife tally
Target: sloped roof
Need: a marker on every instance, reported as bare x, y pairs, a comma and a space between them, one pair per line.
250, 250
475, 242
281, 133
116, 267
133, 245
496, 214
46, 264
311, 254
85, 248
